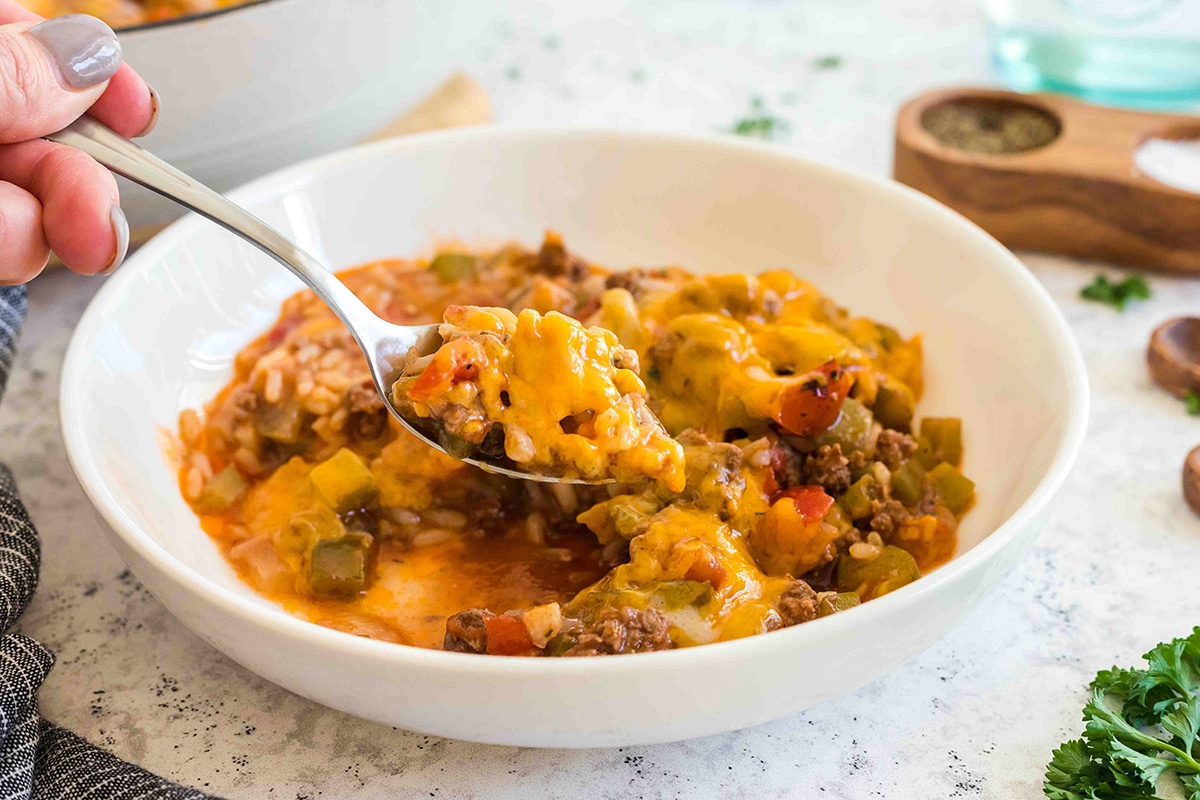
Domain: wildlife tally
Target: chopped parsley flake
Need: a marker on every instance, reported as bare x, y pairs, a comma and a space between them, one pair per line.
1191, 402
758, 123
1102, 290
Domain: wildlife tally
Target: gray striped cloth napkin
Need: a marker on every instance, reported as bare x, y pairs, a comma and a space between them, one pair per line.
39, 759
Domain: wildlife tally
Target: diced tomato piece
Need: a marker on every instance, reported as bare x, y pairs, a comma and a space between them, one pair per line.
507, 636
450, 365
771, 485
811, 502
811, 406
706, 569
787, 542
282, 328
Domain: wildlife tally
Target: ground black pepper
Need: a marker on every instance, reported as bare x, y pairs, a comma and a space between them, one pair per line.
990, 128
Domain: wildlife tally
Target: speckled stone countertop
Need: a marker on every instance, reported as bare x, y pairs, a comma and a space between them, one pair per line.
974, 716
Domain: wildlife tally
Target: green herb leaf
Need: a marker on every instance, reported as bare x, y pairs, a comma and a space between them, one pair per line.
758, 123
827, 62
1183, 722
1191, 403
1122, 754
1102, 290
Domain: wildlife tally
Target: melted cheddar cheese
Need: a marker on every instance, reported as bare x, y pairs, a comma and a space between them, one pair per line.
566, 398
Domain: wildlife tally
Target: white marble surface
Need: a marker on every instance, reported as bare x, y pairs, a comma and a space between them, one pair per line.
974, 716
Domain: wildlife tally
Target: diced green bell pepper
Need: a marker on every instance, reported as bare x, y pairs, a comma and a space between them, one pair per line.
832, 603
629, 513
925, 456
559, 645
889, 337
338, 567
908, 482
955, 490
852, 430
945, 438
306, 528
677, 594
451, 267
894, 406
344, 481
857, 501
455, 445
221, 491
875, 577
837, 517
283, 423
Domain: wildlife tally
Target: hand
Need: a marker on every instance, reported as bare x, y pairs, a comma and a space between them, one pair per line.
51, 196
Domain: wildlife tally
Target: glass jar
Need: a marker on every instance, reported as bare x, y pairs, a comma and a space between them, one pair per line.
1130, 52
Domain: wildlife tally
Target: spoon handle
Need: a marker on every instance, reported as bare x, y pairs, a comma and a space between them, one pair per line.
129, 160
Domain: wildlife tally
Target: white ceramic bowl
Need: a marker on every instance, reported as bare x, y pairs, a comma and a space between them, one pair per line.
253, 88
160, 336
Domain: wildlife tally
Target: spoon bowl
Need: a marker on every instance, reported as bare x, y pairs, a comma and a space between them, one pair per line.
387, 346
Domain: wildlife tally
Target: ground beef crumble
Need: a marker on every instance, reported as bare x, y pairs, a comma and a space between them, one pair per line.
623, 630
553, 260
889, 516
827, 468
367, 418
466, 632
893, 448
797, 604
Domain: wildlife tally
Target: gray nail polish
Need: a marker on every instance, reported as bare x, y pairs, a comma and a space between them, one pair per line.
121, 229
86, 50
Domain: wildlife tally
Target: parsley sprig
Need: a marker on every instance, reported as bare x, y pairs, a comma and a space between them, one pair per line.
1141, 724
1102, 290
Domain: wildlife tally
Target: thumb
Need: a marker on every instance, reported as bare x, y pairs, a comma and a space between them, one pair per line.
51, 73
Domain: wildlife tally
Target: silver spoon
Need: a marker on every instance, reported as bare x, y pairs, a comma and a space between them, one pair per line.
386, 345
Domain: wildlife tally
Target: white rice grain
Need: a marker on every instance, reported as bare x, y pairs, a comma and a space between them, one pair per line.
402, 516
431, 536
535, 528
447, 518
565, 496
518, 445
190, 426
864, 551
193, 483
273, 386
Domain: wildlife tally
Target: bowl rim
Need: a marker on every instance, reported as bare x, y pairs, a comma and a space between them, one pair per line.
183, 19
280, 622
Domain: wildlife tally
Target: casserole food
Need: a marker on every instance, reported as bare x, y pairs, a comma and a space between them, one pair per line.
803, 492
127, 13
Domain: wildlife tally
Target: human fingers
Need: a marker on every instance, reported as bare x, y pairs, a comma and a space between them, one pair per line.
23, 247
52, 72
81, 218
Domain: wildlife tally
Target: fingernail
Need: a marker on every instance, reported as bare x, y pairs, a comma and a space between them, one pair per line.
153, 114
121, 229
86, 50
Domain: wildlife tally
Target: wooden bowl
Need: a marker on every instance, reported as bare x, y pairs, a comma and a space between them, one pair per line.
1174, 355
